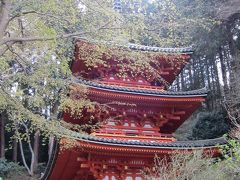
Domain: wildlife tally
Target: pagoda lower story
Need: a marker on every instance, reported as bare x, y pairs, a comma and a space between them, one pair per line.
139, 123
109, 159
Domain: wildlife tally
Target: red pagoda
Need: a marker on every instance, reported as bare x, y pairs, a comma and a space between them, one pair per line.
142, 117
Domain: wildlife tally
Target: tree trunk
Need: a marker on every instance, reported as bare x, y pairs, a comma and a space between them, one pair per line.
54, 112
4, 17
217, 76
223, 71
235, 65
227, 59
50, 146
212, 76
30, 168
36, 149
182, 80
195, 74
190, 76
215, 86
202, 83
208, 75
30, 172
15, 150
2, 151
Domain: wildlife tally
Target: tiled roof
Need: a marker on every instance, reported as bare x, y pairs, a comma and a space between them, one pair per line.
187, 50
138, 47
147, 92
152, 144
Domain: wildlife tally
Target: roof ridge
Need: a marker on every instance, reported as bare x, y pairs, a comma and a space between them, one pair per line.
133, 46
159, 49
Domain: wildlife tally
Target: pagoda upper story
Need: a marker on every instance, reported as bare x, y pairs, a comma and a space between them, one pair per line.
140, 106
132, 65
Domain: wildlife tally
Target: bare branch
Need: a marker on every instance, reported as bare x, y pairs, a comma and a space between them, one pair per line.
23, 156
38, 13
20, 63
21, 149
30, 148
49, 38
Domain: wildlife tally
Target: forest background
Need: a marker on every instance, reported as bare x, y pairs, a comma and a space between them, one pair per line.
37, 46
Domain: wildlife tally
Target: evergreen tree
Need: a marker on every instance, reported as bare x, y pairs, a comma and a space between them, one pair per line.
210, 125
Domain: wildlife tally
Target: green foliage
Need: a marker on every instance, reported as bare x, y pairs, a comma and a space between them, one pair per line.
210, 125
231, 154
7, 169
170, 22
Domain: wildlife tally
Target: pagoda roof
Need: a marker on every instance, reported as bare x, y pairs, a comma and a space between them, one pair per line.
138, 47
147, 92
193, 144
